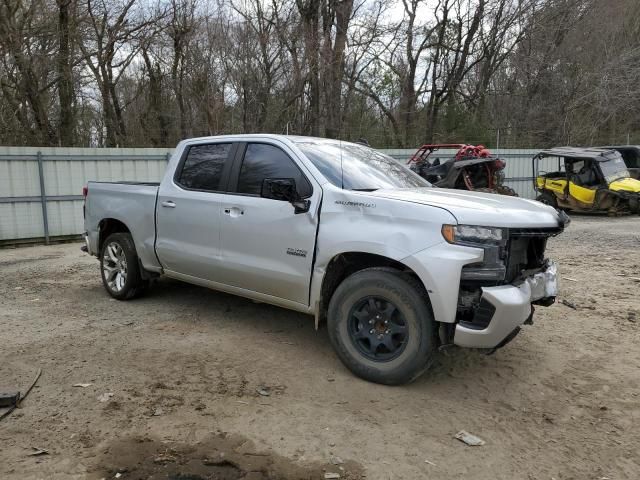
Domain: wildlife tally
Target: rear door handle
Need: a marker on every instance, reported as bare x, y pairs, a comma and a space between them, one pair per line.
168, 204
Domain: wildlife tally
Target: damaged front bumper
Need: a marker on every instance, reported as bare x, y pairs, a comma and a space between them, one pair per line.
507, 307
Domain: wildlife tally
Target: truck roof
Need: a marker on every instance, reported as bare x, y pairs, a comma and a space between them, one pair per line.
273, 136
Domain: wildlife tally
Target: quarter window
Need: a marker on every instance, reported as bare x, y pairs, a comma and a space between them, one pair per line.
266, 161
203, 167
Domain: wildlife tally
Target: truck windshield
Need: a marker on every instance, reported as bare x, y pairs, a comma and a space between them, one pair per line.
614, 169
355, 167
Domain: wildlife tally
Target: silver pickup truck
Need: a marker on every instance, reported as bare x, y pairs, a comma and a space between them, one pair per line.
396, 267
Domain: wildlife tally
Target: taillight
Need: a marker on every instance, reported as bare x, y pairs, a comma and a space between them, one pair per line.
85, 191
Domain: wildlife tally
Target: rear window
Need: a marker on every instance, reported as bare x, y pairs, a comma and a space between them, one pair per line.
203, 166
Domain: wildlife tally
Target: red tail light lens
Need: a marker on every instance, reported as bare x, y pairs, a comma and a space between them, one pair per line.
85, 191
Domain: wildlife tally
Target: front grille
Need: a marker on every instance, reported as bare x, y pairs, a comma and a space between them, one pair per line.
535, 232
526, 249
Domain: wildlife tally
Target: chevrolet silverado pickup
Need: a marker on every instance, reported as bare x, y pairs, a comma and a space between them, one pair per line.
395, 267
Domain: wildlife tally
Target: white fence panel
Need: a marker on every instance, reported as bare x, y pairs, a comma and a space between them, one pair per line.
19, 177
64, 172
20, 220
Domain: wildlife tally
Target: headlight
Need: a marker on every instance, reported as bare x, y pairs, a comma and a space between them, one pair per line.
492, 240
473, 234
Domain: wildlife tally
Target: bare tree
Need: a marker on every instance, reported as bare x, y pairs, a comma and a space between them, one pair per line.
400, 72
336, 15
27, 39
66, 24
113, 34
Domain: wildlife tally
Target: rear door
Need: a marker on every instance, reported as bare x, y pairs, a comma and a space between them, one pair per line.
189, 210
266, 247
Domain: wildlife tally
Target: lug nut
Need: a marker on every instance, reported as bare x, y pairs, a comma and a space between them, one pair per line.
386, 322
387, 332
370, 322
371, 331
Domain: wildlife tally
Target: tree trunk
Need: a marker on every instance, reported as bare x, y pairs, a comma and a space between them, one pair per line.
333, 96
310, 14
67, 125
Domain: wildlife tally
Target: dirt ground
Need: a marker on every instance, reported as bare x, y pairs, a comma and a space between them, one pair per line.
174, 381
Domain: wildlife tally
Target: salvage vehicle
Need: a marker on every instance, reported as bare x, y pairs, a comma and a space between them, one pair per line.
631, 156
472, 168
395, 267
587, 180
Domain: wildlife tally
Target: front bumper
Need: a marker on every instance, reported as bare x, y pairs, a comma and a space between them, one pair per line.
512, 304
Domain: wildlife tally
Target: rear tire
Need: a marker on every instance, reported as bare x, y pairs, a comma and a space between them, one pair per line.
119, 267
380, 325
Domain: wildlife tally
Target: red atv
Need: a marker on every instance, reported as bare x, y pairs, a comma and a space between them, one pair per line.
473, 167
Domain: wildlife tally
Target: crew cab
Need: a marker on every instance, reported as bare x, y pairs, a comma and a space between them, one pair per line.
395, 267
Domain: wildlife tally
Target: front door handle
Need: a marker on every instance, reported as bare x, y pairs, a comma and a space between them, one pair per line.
168, 204
233, 211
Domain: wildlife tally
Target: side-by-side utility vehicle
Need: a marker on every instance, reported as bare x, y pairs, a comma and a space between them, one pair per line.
473, 168
586, 180
396, 267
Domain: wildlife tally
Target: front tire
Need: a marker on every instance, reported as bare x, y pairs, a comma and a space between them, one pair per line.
381, 326
119, 267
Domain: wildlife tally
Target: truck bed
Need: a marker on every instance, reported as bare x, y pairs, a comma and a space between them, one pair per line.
150, 184
132, 203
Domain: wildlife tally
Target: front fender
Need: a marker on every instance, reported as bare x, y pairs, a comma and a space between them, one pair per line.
439, 268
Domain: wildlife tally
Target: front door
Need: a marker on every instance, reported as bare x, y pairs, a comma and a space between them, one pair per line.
188, 218
266, 247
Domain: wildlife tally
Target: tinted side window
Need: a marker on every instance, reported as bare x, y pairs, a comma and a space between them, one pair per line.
266, 161
202, 169
631, 158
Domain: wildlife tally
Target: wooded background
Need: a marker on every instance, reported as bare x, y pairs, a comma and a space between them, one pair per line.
397, 72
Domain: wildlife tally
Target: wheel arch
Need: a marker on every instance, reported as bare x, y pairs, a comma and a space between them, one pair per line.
344, 264
108, 226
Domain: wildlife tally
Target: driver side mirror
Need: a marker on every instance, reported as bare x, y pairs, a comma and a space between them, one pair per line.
284, 189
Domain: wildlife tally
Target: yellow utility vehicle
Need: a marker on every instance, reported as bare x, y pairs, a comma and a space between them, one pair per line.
586, 180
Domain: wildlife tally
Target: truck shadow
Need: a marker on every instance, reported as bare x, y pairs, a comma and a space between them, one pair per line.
249, 319
246, 317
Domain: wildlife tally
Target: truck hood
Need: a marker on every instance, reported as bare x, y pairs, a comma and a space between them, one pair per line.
475, 208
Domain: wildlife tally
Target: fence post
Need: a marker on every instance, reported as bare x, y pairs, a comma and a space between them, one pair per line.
43, 199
